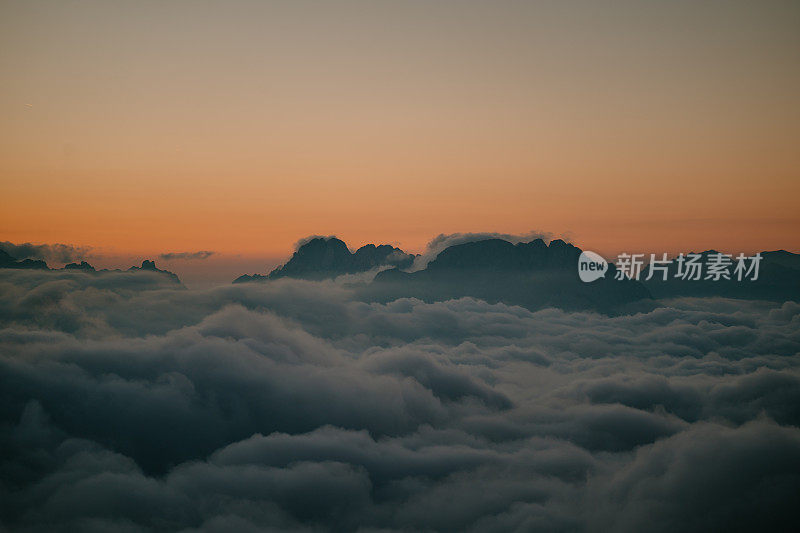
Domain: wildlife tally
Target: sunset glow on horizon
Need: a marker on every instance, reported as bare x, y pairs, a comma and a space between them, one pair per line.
161, 127
399, 265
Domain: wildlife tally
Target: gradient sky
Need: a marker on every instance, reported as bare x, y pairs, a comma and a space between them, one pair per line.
239, 127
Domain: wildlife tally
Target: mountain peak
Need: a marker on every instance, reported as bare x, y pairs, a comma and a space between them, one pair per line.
9, 261
83, 265
328, 257
531, 274
499, 254
150, 266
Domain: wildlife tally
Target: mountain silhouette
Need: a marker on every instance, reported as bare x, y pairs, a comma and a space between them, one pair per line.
323, 258
530, 274
778, 280
782, 258
150, 266
83, 265
7, 261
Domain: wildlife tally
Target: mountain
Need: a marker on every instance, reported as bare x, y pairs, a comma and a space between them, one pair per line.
86, 267
7, 261
778, 280
530, 274
150, 266
323, 258
783, 258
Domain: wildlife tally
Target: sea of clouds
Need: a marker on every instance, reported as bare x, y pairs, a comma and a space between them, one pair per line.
128, 403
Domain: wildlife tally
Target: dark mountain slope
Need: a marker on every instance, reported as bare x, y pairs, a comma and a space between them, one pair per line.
531, 274
323, 258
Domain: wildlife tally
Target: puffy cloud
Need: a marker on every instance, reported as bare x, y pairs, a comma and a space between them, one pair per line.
305, 240
709, 477
130, 404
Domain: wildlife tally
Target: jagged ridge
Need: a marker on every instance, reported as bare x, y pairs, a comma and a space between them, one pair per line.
322, 258
7, 261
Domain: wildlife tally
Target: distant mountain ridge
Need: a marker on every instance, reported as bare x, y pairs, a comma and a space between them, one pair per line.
530, 274
500, 254
778, 280
7, 261
328, 257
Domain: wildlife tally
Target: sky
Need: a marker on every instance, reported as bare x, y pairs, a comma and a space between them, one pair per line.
141, 128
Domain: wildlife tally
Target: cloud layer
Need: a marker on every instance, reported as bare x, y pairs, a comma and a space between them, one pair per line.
130, 405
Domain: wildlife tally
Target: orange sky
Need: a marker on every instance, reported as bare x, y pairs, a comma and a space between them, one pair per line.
240, 127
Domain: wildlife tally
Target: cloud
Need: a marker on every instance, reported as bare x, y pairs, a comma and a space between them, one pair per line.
185, 256
128, 404
709, 477
51, 253
306, 240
